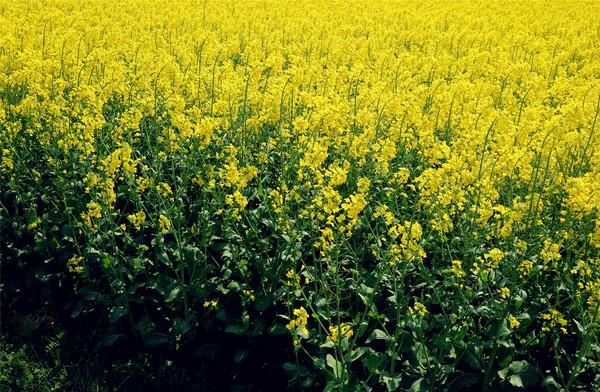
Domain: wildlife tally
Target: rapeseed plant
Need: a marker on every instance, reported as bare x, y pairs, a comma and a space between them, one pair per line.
195, 154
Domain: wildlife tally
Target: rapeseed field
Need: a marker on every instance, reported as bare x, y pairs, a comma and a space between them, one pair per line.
405, 193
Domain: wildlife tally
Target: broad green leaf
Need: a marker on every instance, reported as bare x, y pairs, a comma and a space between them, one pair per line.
335, 365
421, 385
155, 339
116, 313
378, 334
173, 294
355, 354
392, 383
520, 374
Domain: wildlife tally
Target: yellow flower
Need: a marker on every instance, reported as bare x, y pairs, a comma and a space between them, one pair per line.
249, 294
525, 267
298, 324
137, 219
494, 257
453, 131
504, 292
93, 211
7, 161
164, 190
210, 304
457, 269
550, 251
143, 183
34, 224
363, 184
339, 333
401, 176
74, 264
293, 279
513, 322
554, 321
238, 201
418, 308
353, 207
521, 246
233, 176
164, 223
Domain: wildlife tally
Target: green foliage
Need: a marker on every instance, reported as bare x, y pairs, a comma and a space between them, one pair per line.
210, 274
21, 370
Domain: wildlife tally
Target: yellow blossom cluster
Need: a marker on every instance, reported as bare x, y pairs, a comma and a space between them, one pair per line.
299, 324
554, 320
74, 264
418, 309
339, 333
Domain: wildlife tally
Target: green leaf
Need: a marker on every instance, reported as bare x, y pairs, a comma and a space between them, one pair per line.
322, 309
116, 313
235, 329
290, 367
392, 383
473, 359
520, 374
499, 329
110, 340
335, 365
405, 341
181, 326
421, 385
240, 356
327, 344
260, 189
550, 382
580, 328
263, 302
460, 382
378, 334
422, 354
506, 361
355, 354
155, 339
515, 381
173, 294
373, 361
